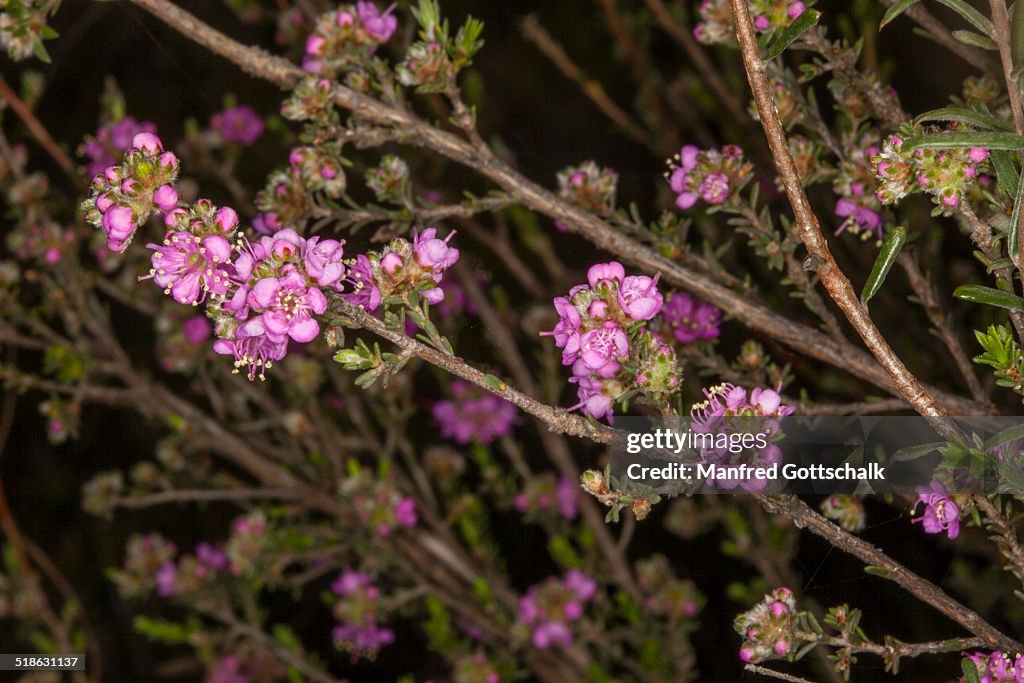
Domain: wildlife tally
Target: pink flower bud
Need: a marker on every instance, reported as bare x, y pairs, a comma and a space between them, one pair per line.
226, 219
391, 262
148, 142
781, 646
977, 154
165, 198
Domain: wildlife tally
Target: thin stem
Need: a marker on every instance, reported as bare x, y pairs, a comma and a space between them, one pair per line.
832, 277
802, 338
944, 37
926, 591
940, 318
1001, 36
37, 129
772, 673
1007, 535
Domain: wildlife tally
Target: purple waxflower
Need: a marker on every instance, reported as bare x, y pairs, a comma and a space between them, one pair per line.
433, 253
859, 217
289, 305
582, 585
363, 291
602, 345
252, 348
350, 582
593, 401
212, 557
239, 124
322, 261
474, 415
186, 266
196, 329
715, 188
639, 297
378, 26
405, 512
567, 331
166, 579
228, 670
568, 493
691, 319
112, 140
940, 513
551, 634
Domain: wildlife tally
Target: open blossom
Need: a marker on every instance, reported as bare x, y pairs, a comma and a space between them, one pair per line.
240, 124
940, 512
357, 631
433, 253
186, 266
603, 345
361, 290
691, 319
289, 305
474, 415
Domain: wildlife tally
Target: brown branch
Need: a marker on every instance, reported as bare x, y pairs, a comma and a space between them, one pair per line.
536, 34
37, 129
834, 280
941, 320
1001, 36
802, 338
926, 591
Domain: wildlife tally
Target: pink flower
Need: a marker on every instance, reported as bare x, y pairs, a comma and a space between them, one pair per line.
433, 253
240, 124
148, 142
940, 513
405, 512
119, 224
378, 26
289, 305
197, 329
602, 345
639, 297
165, 198
691, 319
612, 271
322, 261
186, 265
474, 415
715, 188
364, 292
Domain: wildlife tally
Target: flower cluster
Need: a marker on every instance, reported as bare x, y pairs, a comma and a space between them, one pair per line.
601, 331
474, 415
123, 197
357, 631
689, 319
475, 668
548, 608
402, 268
858, 206
320, 169
384, 509
940, 514
767, 628
943, 174
45, 241
191, 572
239, 124
144, 556
711, 174
716, 27
23, 27
664, 594
727, 410
347, 36
997, 667
426, 66
110, 142
589, 186
389, 180
545, 493
247, 542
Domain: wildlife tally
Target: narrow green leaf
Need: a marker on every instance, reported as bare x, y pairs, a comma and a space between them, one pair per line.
1006, 171
990, 296
980, 119
896, 10
894, 242
957, 140
973, 16
915, 452
1013, 475
970, 671
1005, 436
1013, 238
1017, 36
789, 34
877, 571
975, 39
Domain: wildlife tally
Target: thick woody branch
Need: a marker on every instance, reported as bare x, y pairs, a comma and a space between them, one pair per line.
802, 338
834, 280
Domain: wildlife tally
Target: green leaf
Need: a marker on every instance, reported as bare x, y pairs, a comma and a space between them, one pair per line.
877, 571
1012, 238
972, 38
896, 10
1006, 171
969, 670
894, 242
990, 296
915, 452
959, 140
1012, 473
973, 16
1005, 436
789, 34
981, 119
